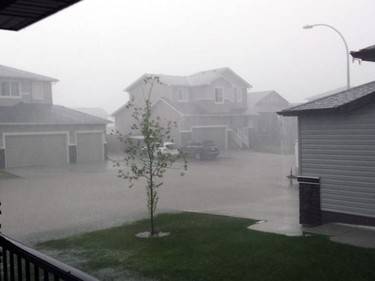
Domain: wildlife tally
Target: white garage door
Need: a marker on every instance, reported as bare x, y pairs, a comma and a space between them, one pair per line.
36, 150
216, 134
90, 147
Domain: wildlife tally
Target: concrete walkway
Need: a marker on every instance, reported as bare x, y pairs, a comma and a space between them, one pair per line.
360, 236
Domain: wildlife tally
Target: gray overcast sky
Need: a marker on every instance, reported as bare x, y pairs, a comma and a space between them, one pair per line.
96, 48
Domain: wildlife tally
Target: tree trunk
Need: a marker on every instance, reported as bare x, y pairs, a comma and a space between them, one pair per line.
152, 232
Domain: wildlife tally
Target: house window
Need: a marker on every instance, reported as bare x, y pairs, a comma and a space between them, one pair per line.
239, 95
182, 95
9, 89
38, 90
219, 95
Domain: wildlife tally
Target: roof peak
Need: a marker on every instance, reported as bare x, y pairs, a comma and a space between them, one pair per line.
11, 72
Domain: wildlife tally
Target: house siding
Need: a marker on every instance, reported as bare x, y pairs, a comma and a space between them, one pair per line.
28, 92
340, 148
139, 93
166, 114
214, 120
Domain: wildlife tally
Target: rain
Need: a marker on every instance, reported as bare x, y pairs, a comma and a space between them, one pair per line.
239, 80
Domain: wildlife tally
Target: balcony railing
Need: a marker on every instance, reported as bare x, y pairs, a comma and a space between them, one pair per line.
19, 262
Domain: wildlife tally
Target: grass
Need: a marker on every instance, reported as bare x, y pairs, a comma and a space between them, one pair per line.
210, 247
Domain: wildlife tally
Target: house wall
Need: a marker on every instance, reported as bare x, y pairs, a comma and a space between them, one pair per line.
340, 148
214, 120
166, 114
30, 92
208, 93
138, 93
123, 121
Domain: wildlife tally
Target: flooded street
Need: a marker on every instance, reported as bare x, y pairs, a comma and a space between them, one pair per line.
45, 203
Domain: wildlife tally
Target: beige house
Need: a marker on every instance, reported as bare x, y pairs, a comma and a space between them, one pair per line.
208, 105
35, 132
267, 130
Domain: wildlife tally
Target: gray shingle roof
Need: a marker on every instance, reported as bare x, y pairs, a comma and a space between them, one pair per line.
366, 54
336, 101
10, 72
23, 113
197, 79
255, 105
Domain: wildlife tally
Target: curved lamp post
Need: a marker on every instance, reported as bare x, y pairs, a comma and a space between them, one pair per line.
346, 48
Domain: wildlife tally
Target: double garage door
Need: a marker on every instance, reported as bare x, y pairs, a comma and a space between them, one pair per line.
46, 149
216, 134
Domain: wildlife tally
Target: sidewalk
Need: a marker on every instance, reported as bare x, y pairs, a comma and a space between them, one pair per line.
360, 236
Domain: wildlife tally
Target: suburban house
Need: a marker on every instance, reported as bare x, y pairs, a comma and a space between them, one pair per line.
34, 131
267, 130
208, 105
337, 150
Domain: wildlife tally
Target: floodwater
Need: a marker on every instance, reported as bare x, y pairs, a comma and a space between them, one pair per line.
53, 202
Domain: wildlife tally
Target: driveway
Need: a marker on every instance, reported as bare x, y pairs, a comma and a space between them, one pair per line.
48, 202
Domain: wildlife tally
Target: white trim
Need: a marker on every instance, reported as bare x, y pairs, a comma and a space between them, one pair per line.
243, 80
171, 106
215, 126
213, 114
224, 78
57, 124
10, 97
33, 134
91, 132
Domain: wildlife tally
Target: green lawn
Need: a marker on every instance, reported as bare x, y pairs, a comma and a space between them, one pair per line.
209, 247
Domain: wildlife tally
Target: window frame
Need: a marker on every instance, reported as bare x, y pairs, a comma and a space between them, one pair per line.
216, 92
11, 89
182, 95
239, 95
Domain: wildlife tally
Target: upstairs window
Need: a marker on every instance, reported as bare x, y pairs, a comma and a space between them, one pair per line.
239, 95
219, 95
9, 89
182, 95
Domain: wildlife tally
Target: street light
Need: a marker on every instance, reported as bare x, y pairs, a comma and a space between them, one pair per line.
346, 48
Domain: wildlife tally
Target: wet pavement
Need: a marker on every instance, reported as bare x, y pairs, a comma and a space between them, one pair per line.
52, 202
47, 202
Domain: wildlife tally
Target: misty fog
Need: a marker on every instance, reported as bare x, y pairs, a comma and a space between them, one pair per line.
227, 68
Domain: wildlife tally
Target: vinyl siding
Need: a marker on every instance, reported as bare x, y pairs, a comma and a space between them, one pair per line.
340, 148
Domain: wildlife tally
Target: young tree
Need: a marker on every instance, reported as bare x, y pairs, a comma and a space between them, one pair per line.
145, 160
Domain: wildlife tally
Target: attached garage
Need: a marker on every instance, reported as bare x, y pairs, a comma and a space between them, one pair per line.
36, 149
217, 134
90, 146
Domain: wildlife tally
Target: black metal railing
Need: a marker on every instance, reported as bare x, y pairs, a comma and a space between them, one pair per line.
19, 262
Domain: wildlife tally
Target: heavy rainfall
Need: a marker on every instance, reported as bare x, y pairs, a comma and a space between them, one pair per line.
270, 111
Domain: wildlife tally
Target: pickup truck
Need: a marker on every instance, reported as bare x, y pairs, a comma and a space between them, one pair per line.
201, 150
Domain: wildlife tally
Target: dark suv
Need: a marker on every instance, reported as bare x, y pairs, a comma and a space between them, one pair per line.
200, 150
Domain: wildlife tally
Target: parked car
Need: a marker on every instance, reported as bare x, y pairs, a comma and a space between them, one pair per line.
201, 150
169, 148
